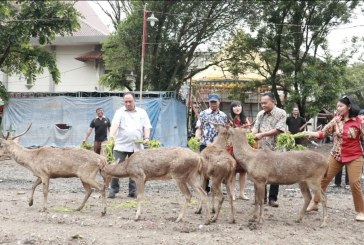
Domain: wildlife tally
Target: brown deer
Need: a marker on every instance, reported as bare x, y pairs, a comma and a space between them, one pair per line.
177, 163
264, 166
47, 163
218, 165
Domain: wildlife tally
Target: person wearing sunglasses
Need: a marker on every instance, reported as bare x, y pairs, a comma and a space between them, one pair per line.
348, 129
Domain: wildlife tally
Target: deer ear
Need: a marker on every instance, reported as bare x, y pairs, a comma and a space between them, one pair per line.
16, 140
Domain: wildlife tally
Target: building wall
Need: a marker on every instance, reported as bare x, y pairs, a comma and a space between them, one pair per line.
75, 75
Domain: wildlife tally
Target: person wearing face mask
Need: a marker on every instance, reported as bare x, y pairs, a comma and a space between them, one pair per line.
348, 129
205, 131
241, 121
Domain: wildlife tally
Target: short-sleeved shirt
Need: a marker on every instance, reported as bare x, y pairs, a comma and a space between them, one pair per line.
131, 126
208, 130
101, 126
266, 121
294, 124
347, 146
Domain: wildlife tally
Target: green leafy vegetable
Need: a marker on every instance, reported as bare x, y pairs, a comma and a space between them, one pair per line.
194, 143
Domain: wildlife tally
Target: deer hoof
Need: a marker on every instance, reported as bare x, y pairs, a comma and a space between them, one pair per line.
30, 203
323, 225
198, 211
103, 213
232, 221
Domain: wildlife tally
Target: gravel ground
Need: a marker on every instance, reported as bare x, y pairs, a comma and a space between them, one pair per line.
21, 224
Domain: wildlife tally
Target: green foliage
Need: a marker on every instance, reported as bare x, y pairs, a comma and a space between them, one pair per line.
108, 150
154, 143
286, 54
286, 141
86, 146
23, 21
355, 75
251, 139
171, 44
194, 143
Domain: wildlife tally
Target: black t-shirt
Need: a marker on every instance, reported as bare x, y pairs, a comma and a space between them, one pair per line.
101, 127
294, 124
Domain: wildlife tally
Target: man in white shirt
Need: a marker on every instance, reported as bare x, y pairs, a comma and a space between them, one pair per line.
129, 125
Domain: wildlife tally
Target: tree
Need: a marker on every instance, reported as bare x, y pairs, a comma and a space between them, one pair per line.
355, 74
289, 35
182, 27
21, 21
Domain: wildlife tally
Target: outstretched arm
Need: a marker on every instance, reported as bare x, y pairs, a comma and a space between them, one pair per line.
89, 131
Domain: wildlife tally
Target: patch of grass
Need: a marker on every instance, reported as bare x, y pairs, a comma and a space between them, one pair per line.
62, 209
194, 201
126, 204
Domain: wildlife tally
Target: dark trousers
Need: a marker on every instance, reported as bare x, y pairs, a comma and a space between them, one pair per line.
273, 193
207, 188
120, 158
97, 146
338, 177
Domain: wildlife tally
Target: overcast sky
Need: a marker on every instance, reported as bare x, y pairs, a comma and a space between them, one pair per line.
336, 38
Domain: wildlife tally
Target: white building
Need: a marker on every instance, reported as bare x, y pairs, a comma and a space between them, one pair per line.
79, 59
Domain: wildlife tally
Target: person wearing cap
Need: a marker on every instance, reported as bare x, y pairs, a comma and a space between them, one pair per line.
348, 129
205, 131
270, 122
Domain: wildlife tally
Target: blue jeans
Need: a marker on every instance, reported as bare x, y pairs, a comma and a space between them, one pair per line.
120, 157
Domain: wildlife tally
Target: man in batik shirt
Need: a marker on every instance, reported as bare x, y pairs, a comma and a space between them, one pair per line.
270, 122
206, 132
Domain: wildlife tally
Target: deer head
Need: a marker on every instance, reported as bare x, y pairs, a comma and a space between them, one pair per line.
7, 141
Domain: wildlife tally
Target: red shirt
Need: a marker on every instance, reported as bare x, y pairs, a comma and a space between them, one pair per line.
347, 146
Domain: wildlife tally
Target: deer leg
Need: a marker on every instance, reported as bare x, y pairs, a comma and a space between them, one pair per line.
203, 196
256, 203
233, 185
90, 181
230, 192
203, 184
186, 192
316, 189
307, 198
140, 183
216, 191
323, 200
260, 200
37, 182
45, 182
88, 192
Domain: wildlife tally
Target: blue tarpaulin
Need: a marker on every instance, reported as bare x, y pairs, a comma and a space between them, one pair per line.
167, 115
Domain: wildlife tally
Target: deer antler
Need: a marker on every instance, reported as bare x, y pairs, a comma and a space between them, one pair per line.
17, 136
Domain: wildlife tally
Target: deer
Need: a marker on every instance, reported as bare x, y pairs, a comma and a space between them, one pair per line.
47, 163
219, 166
265, 166
181, 164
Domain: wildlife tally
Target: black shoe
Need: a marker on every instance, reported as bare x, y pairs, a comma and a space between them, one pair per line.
132, 195
111, 194
273, 204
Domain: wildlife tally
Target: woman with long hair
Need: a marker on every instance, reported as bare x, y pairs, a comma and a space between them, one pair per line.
348, 129
239, 120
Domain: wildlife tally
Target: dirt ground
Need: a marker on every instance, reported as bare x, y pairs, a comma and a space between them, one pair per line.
21, 224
